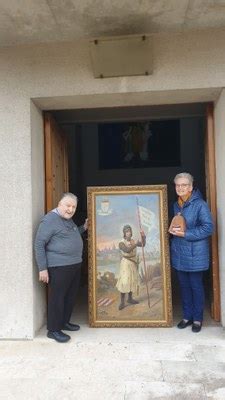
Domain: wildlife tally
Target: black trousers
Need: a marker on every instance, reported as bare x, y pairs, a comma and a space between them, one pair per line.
63, 287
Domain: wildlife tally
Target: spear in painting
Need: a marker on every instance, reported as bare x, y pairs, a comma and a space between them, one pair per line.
143, 252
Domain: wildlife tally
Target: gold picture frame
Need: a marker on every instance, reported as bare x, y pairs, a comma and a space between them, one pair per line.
129, 270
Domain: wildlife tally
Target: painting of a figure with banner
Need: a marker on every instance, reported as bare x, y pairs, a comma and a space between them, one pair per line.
129, 276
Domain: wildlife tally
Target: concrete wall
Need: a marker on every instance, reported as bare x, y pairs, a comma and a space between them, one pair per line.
16, 308
38, 208
220, 178
65, 70
187, 67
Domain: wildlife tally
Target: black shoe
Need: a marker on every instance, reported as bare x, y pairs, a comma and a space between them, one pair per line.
121, 306
183, 324
59, 336
132, 301
196, 327
71, 327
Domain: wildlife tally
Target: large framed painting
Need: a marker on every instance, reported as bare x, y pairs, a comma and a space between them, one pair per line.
129, 273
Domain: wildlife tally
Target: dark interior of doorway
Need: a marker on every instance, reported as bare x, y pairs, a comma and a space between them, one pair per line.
82, 129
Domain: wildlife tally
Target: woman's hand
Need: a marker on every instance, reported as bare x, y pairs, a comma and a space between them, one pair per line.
43, 276
176, 232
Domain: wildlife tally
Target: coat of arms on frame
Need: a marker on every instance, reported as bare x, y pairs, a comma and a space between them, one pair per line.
129, 272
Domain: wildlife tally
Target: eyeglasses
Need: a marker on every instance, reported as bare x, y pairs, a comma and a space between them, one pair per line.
182, 185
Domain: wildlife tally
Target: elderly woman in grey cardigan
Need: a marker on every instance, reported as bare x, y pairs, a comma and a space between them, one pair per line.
58, 251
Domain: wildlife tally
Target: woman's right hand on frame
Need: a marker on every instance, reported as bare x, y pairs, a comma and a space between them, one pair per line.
43, 276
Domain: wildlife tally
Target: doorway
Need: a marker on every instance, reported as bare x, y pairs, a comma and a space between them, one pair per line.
81, 128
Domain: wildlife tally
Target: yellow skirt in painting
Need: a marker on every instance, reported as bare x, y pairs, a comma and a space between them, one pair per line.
128, 276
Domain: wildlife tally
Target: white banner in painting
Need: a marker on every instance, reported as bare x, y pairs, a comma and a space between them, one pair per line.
147, 217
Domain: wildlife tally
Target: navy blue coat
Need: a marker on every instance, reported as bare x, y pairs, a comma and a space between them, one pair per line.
191, 252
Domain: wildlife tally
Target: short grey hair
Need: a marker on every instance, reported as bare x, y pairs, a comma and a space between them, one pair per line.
71, 195
185, 175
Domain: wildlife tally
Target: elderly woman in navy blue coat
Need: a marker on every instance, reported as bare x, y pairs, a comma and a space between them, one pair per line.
190, 249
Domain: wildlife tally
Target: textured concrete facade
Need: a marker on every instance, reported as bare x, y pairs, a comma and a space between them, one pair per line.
57, 20
187, 67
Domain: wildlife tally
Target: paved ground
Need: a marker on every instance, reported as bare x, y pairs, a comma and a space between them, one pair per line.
116, 364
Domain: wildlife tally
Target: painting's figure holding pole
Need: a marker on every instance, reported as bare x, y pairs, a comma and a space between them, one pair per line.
128, 274
144, 217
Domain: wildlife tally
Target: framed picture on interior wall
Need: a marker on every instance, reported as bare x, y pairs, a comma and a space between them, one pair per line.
129, 272
139, 144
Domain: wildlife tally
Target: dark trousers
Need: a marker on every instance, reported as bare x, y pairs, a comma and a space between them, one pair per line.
63, 287
192, 294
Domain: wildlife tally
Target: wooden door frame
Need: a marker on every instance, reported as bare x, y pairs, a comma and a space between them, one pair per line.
50, 176
210, 169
